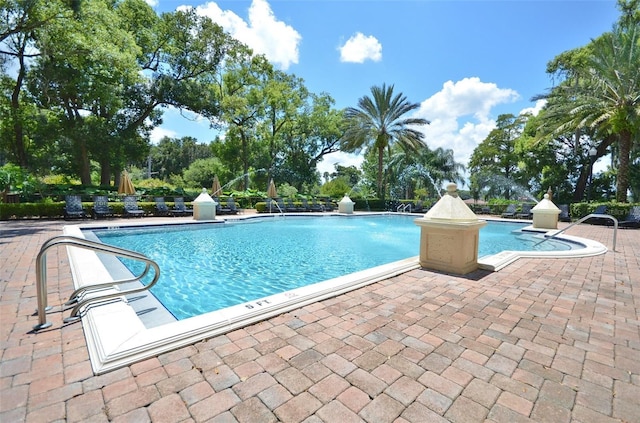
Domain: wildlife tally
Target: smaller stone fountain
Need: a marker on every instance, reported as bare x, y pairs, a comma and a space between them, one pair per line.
545, 213
449, 235
345, 205
204, 207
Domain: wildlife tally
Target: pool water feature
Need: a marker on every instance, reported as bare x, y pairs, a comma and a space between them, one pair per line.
118, 335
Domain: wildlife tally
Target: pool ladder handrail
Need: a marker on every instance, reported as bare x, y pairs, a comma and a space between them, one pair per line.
77, 297
277, 206
605, 216
403, 207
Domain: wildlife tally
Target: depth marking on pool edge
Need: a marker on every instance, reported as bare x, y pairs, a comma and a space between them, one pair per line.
255, 304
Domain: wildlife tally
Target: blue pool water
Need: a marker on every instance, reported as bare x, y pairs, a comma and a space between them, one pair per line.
214, 266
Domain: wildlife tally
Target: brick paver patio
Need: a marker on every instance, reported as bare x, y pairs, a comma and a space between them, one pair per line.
542, 340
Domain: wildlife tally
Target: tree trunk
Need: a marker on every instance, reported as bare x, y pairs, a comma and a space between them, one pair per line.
622, 184
85, 168
105, 171
581, 185
583, 179
117, 174
18, 134
18, 128
379, 179
245, 159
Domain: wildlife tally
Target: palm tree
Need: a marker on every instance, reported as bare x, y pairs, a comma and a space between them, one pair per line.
614, 105
425, 168
605, 100
378, 122
443, 166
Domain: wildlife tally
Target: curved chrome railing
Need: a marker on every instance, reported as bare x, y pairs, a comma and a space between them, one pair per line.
604, 216
78, 295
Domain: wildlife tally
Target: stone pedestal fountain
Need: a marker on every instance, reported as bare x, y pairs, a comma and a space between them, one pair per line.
545, 214
345, 205
204, 207
449, 235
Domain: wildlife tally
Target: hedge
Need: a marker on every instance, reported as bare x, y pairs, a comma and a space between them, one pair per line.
55, 210
617, 210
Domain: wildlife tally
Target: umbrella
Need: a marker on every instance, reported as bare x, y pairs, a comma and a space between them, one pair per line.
271, 192
126, 186
216, 189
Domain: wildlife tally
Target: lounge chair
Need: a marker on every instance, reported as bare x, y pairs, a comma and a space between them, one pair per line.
292, 207
131, 208
510, 212
180, 208
101, 207
220, 210
632, 220
305, 205
73, 207
316, 207
161, 207
526, 212
564, 215
231, 205
602, 209
418, 207
328, 205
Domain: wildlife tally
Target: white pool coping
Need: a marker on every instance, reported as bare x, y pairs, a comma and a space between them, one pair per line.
116, 336
498, 261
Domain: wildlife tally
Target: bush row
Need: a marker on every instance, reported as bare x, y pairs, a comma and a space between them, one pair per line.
55, 209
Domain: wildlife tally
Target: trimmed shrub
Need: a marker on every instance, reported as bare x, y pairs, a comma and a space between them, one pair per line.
55, 210
31, 210
615, 209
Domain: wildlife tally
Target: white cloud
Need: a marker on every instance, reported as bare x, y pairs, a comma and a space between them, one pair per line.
152, 3
263, 32
360, 48
159, 133
460, 115
343, 159
535, 109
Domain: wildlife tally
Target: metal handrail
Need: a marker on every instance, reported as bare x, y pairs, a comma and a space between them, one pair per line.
273, 202
605, 216
403, 207
41, 276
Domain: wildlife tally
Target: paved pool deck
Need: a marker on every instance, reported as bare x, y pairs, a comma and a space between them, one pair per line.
543, 340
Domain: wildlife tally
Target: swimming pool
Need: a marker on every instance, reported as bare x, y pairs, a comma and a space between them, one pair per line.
207, 268
116, 334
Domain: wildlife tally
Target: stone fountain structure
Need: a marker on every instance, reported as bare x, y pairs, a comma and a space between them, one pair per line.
545, 213
204, 207
449, 235
345, 205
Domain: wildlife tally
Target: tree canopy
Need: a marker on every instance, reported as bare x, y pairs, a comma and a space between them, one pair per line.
593, 108
85, 83
93, 81
599, 96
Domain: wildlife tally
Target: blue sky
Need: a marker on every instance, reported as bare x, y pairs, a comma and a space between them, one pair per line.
465, 62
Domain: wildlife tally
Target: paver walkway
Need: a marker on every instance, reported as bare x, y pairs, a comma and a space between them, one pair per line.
542, 340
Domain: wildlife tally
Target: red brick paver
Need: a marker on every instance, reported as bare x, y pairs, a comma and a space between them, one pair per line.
541, 340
